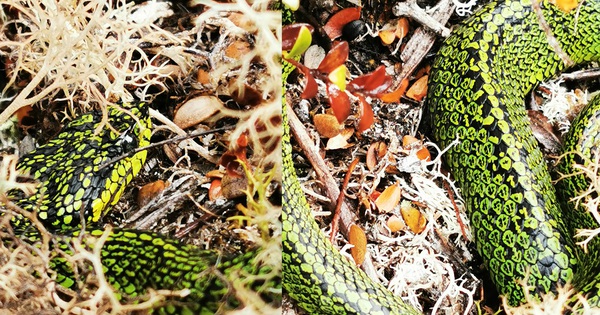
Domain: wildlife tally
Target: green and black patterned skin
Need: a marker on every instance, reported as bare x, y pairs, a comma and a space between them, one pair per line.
68, 167
74, 178
315, 274
582, 147
476, 94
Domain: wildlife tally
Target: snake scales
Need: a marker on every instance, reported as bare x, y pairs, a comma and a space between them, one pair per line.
476, 93
74, 181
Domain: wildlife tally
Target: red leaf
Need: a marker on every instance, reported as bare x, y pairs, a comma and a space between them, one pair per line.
289, 34
335, 57
336, 23
310, 88
366, 116
371, 84
340, 102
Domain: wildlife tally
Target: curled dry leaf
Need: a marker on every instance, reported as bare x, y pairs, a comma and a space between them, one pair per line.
197, 110
203, 76
395, 223
402, 28
375, 153
215, 174
387, 36
237, 49
394, 97
244, 94
340, 141
327, 125
358, 238
215, 190
333, 28
233, 186
419, 89
373, 84
389, 198
409, 142
149, 192
413, 217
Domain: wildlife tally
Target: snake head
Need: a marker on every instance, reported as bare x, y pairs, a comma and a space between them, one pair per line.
85, 169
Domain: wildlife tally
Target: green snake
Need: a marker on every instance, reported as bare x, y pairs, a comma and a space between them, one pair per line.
476, 95
77, 177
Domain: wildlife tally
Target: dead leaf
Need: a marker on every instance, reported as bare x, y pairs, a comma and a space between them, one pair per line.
419, 89
367, 117
402, 28
197, 110
414, 218
149, 192
389, 198
358, 238
375, 153
394, 97
333, 28
387, 36
340, 141
395, 223
409, 142
215, 190
327, 125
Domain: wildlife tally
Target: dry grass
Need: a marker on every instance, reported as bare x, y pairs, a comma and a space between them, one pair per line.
89, 54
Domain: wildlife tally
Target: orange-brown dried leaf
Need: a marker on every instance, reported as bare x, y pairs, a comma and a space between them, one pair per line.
333, 27
387, 36
340, 141
375, 153
409, 142
394, 97
197, 110
402, 28
389, 198
215, 174
203, 76
237, 49
419, 89
232, 158
395, 223
327, 125
23, 113
566, 5
215, 192
358, 238
149, 192
414, 219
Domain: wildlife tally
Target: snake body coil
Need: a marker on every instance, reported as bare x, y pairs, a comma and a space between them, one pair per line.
77, 177
476, 95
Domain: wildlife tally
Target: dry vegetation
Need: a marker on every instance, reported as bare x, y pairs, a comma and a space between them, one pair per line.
67, 57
